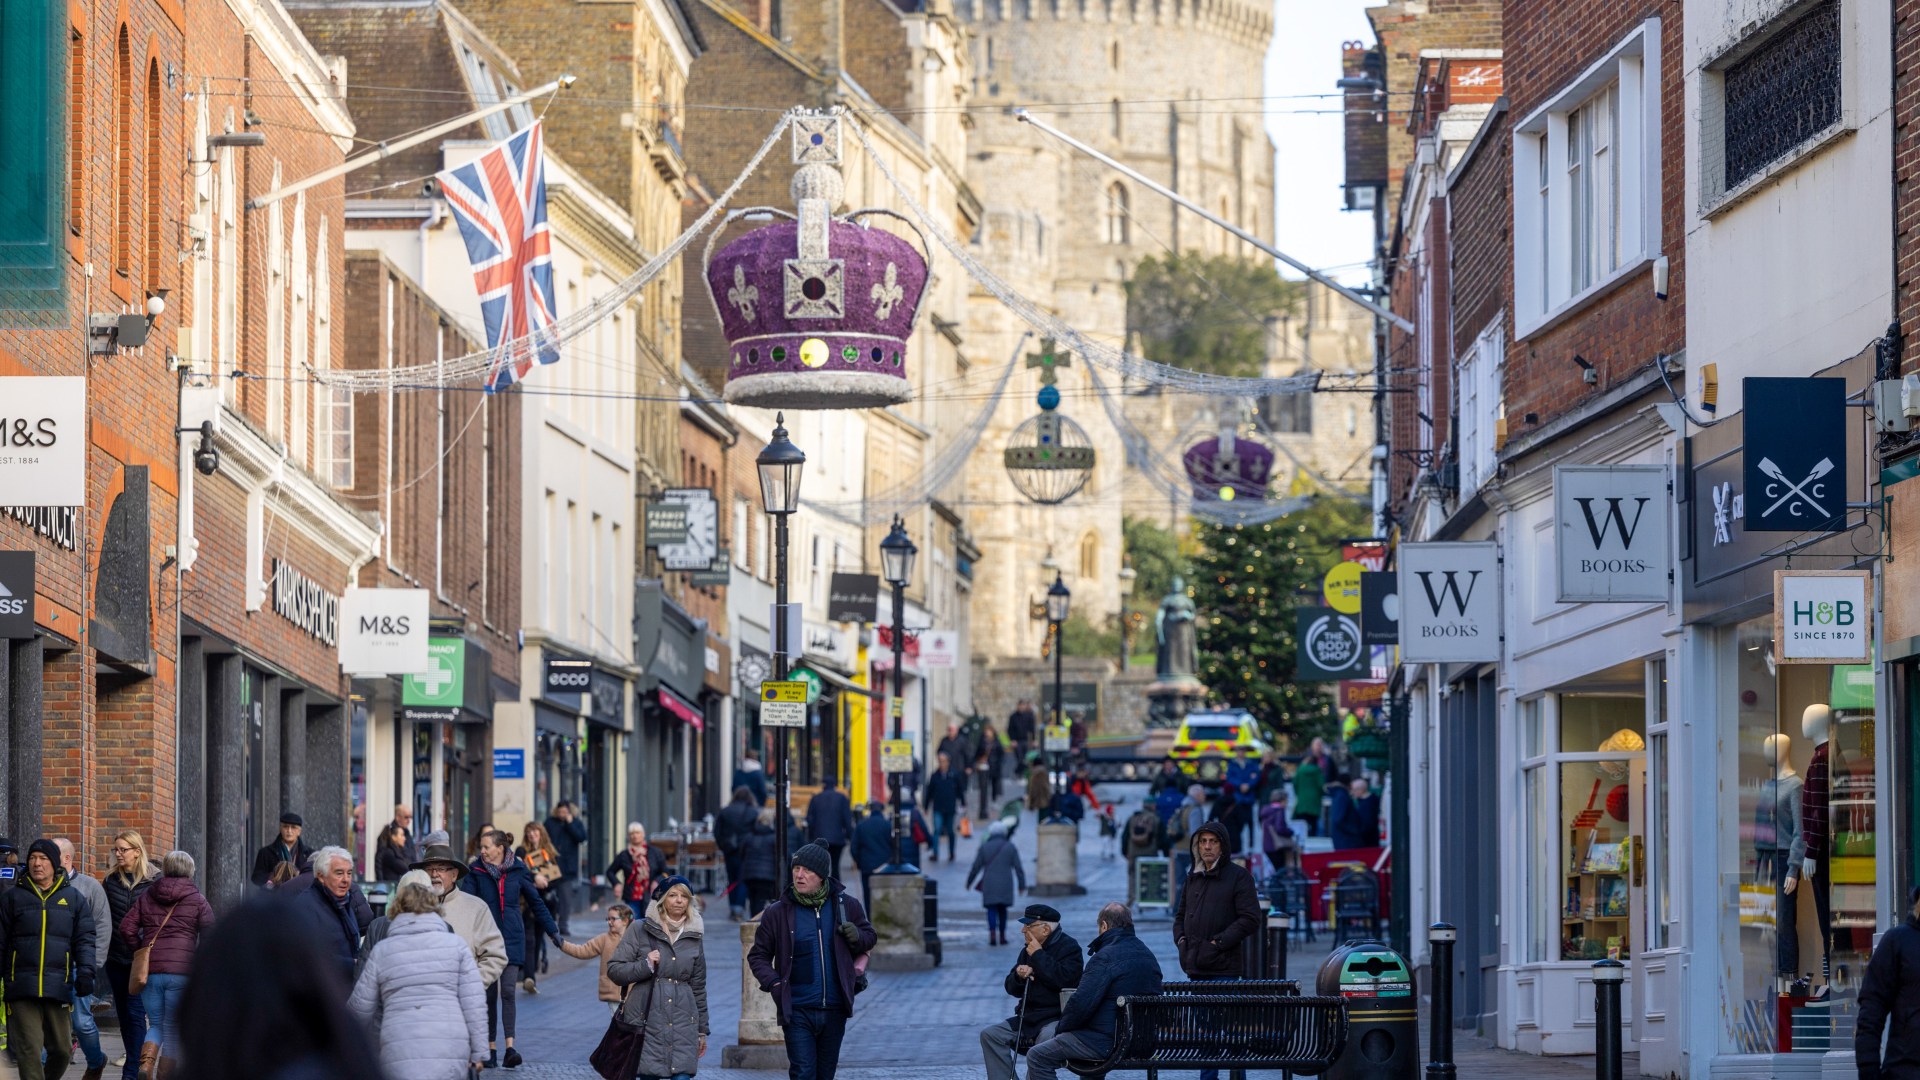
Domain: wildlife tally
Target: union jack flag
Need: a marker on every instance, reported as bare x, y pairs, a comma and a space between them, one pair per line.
500, 201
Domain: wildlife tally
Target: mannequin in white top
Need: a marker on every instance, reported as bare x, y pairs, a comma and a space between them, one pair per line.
1776, 833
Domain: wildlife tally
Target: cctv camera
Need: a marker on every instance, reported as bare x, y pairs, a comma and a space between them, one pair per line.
206, 457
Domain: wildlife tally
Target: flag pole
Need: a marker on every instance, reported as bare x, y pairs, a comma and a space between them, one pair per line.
387, 150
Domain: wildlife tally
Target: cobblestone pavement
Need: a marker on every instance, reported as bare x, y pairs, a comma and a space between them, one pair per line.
921, 1025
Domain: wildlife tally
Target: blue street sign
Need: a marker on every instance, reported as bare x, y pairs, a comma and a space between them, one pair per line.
509, 763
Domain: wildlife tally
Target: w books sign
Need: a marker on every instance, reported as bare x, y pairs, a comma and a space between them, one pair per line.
1449, 602
1612, 531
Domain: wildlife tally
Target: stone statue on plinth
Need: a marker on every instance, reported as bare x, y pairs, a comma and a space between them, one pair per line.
1173, 629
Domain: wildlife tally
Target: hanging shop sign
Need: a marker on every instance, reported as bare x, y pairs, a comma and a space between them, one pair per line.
1380, 607
42, 441
718, 574
1370, 554
439, 692
1359, 694
1341, 587
939, 649
1822, 616
666, 523
1795, 435
16, 594
853, 598
1614, 523
1327, 644
384, 632
1450, 602
301, 601
702, 539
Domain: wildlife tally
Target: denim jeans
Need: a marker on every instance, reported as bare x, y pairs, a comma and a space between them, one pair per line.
162, 1000
813, 1043
133, 1016
87, 1031
943, 825
997, 918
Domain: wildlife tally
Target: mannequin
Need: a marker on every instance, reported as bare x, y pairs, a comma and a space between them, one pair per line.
1777, 831
1809, 857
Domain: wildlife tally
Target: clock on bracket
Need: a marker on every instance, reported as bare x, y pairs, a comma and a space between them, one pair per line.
703, 530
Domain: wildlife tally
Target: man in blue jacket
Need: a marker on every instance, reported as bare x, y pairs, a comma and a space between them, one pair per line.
872, 847
1122, 966
566, 832
803, 954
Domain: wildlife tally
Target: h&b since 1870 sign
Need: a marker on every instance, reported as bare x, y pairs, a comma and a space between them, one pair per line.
1822, 617
1612, 524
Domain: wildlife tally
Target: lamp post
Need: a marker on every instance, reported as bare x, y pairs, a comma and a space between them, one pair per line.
1059, 601
1127, 576
780, 464
896, 562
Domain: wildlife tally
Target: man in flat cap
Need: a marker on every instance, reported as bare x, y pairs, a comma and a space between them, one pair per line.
1049, 964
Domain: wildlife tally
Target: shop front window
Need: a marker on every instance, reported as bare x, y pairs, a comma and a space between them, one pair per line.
1802, 815
1602, 755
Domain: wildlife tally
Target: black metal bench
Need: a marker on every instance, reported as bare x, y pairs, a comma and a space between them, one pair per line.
1236, 1026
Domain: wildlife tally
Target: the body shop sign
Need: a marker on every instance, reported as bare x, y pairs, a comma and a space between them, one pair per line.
1822, 617
1449, 602
1612, 525
42, 441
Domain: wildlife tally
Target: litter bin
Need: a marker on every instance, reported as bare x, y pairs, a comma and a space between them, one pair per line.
930, 911
1383, 1026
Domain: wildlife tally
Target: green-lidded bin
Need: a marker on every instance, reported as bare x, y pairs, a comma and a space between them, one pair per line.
1383, 1022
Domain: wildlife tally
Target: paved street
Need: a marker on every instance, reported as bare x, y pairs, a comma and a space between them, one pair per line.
923, 1025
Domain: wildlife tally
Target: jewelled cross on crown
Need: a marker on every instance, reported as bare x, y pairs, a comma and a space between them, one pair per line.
1049, 359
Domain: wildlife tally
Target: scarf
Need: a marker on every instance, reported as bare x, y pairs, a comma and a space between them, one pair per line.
814, 899
636, 889
673, 928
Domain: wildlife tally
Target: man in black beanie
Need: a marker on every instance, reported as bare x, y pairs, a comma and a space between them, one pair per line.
804, 955
46, 959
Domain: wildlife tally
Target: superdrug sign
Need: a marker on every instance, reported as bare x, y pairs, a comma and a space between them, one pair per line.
301, 601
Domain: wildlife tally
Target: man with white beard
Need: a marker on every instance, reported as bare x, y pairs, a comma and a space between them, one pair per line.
465, 913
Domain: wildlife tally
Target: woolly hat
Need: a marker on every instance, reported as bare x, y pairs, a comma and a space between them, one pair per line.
815, 858
46, 847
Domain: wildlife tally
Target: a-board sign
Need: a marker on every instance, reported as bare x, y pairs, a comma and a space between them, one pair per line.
1152, 882
1059, 739
896, 755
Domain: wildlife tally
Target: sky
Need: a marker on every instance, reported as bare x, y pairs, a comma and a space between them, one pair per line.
1309, 222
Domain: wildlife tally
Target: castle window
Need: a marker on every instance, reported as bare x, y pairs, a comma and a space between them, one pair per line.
1113, 54
1116, 214
1117, 130
1090, 556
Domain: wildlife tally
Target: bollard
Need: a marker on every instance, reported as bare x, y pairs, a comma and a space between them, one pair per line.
1279, 925
1441, 936
1607, 976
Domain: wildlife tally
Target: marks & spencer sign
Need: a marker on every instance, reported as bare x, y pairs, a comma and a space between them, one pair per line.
1822, 617
1613, 525
1449, 602
42, 441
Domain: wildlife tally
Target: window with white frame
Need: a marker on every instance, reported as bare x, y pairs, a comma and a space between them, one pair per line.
1479, 378
1588, 163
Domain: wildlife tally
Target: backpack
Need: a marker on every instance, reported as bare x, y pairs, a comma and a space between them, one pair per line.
1143, 830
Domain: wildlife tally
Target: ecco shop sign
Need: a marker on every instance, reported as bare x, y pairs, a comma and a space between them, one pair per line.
1613, 523
1822, 617
42, 451
1449, 602
301, 601
386, 632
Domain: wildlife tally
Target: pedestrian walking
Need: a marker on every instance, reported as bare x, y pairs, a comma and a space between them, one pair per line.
600, 947
536, 851
830, 821
376, 931
503, 883
730, 831
167, 921
336, 912
393, 856
1021, 726
758, 865
1309, 790
634, 868
47, 952
1048, 966
1181, 829
1219, 909
663, 963
467, 914
133, 874
403, 820
265, 1003
86, 1031
750, 775
473, 845
805, 954
942, 800
1891, 992
996, 756
873, 847
1039, 785
566, 832
1121, 965
421, 992
286, 848
1353, 817
996, 869
1276, 836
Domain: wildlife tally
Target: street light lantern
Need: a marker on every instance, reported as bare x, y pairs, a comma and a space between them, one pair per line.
1127, 576
780, 465
1059, 600
896, 555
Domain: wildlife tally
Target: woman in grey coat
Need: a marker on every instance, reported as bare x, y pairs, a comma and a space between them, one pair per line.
996, 867
421, 992
663, 962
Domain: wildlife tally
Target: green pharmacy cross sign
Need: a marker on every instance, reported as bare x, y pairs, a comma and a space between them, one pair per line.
438, 693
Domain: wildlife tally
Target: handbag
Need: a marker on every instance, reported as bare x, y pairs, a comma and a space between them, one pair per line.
142, 956
618, 1055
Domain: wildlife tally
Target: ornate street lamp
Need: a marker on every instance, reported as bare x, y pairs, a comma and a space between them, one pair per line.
780, 464
897, 552
1059, 602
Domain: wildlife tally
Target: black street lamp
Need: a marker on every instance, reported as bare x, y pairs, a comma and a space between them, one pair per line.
1059, 601
1127, 576
896, 563
780, 464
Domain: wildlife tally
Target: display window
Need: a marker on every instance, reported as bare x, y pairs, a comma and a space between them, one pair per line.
1801, 821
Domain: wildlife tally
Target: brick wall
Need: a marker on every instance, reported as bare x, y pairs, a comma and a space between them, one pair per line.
703, 464
1906, 172
1481, 243
1405, 28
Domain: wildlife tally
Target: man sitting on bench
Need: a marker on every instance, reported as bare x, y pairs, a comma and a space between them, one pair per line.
1121, 966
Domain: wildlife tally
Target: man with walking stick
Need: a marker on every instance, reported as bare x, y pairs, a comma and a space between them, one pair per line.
1049, 963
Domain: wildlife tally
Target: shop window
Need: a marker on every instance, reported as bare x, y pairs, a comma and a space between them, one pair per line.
1795, 723
1599, 790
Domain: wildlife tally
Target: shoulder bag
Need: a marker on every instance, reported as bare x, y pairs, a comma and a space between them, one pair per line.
137, 974
618, 1055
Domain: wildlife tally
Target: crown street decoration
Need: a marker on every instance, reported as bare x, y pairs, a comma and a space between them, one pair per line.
1049, 457
1227, 467
817, 309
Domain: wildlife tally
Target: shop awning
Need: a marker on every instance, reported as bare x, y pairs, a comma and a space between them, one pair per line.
681, 707
838, 681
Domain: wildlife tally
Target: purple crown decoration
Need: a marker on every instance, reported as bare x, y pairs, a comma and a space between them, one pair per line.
1226, 467
817, 309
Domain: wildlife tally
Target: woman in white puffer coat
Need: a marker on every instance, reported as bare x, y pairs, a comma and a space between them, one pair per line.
422, 994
